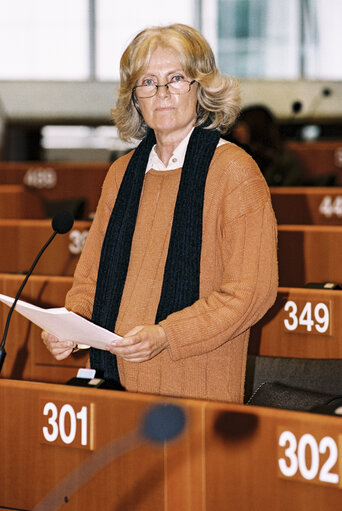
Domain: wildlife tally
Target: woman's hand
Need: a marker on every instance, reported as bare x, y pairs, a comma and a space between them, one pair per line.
59, 349
140, 344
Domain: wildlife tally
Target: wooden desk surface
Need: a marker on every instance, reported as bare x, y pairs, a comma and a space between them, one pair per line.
309, 253
304, 323
21, 241
307, 205
229, 457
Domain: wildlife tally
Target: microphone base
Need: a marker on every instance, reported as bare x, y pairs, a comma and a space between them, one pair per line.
97, 383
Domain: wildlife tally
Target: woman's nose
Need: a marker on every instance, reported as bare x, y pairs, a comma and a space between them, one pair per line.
163, 90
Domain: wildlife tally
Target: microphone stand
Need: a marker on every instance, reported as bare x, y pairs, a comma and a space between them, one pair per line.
2, 346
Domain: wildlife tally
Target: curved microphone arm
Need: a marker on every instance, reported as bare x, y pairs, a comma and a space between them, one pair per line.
2, 346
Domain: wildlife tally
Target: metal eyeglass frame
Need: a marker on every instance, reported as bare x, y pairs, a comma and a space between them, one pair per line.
156, 86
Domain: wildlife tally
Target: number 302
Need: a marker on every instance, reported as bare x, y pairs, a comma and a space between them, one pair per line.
320, 313
295, 458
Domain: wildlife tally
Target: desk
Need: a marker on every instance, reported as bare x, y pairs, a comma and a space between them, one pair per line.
307, 205
18, 202
309, 253
304, 323
319, 158
21, 241
229, 456
50, 181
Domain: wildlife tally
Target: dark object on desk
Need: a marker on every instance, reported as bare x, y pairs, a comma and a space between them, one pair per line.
323, 285
96, 383
331, 407
74, 206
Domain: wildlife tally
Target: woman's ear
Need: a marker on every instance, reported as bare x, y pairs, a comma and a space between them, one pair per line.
136, 104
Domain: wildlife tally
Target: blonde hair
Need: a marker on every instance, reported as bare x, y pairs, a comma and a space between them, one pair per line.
217, 95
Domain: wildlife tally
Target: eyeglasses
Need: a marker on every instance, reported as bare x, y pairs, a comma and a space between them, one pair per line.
150, 90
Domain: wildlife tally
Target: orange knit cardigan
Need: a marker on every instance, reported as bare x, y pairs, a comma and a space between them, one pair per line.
208, 341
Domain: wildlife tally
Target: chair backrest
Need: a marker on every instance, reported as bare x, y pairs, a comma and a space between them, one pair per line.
292, 383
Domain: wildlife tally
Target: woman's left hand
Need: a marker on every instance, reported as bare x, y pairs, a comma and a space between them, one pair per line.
140, 344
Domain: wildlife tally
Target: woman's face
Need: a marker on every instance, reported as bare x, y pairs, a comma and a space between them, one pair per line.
165, 113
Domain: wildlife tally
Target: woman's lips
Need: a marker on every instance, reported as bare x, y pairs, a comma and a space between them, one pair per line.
164, 108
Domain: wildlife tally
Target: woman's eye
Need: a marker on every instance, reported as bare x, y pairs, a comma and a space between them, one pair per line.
177, 78
148, 81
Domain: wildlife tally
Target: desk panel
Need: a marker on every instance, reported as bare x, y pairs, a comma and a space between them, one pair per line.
229, 456
309, 253
17, 202
304, 323
21, 241
55, 181
243, 453
307, 205
320, 159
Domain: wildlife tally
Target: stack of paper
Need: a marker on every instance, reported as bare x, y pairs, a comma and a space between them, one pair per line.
65, 325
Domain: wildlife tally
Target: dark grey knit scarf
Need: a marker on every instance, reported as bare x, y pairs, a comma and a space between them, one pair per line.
182, 269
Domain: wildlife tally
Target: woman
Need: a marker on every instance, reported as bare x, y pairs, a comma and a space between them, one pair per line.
181, 257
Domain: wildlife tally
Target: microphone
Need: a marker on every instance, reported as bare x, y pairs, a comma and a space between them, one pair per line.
310, 131
62, 222
297, 107
163, 423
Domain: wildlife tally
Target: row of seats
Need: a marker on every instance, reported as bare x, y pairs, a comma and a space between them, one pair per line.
306, 253
299, 331
38, 190
319, 159
30, 193
295, 206
78, 185
302, 325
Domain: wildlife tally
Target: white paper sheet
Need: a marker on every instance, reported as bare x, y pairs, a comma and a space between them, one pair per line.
64, 324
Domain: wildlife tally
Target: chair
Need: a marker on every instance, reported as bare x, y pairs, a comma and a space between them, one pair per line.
292, 383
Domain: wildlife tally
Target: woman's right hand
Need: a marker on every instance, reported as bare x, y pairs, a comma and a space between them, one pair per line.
59, 349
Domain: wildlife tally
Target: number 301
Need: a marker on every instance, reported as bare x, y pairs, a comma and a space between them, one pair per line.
57, 423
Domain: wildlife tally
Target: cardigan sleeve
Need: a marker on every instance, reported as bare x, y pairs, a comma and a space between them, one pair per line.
249, 276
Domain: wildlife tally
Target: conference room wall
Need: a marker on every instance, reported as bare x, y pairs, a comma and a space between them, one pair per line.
70, 102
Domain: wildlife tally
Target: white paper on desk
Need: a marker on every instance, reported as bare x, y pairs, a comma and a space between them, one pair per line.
64, 324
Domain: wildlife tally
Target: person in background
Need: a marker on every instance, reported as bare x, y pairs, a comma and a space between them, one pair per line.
257, 131
2, 130
181, 257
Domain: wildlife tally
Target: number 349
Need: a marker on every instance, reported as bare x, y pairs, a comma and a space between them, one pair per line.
310, 317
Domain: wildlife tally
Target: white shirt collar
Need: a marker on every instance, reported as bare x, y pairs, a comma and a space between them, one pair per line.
177, 158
